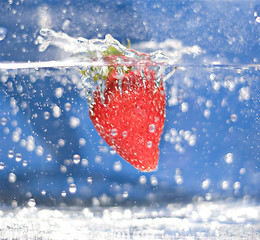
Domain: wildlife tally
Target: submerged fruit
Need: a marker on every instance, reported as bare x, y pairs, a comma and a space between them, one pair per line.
129, 115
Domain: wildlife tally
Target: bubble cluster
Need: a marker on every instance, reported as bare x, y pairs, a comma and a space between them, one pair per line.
179, 138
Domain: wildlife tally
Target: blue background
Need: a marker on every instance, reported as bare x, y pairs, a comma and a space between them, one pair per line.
226, 31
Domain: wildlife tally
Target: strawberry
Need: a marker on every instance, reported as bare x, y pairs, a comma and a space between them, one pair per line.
129, 114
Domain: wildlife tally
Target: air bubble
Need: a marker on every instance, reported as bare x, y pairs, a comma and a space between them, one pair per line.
74, 122
142, 179
12, 178
76, 159
244, 94
63, 193
184, 107
72, 188
257, 14
154, 181
205, 184
25, 163
3, 32
49, 157
59, 92
152, 128
84, 162
18, 157
82, 142
225, 185
67, 107
117, 166
229, 158
10, 154
56, 111
3, 121
114, 132
149, 144
207, 113
233, 117
61, 142
46, 115
124, 134
125, 194
31, 203
2, 165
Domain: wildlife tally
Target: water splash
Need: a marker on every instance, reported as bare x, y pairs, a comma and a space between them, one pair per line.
87, 50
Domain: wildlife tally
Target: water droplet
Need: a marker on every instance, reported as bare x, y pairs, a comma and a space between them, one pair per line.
10, 154
114, 132
76, 159
18, 157
2, 165
12, 178
49, 157
3, 32
72, 188
152, 128
31, 203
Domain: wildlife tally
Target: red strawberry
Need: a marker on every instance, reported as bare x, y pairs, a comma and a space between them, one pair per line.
131, 117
